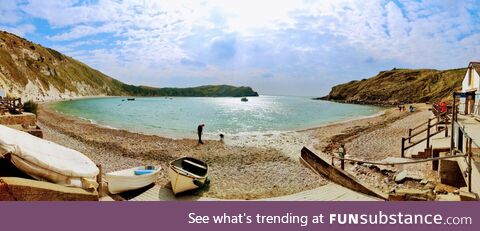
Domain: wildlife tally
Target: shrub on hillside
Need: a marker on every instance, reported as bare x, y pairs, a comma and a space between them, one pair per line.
30, 106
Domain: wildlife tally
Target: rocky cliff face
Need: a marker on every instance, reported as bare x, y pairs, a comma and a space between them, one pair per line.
33, 72
400, 86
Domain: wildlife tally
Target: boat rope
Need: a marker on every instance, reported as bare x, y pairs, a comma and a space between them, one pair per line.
399, 163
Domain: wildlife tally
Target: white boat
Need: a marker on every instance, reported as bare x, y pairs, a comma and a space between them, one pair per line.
47, 161
125, 180
187, 173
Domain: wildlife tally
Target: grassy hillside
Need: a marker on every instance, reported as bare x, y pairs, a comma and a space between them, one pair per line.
31, 71
202, 91
400, 86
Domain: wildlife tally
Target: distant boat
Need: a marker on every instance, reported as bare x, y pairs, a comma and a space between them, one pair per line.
187, 173
131, 99
131, 179
244, 99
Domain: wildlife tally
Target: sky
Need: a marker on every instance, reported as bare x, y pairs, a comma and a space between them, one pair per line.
287, 47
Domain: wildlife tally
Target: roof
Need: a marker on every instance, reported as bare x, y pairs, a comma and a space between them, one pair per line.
476, 66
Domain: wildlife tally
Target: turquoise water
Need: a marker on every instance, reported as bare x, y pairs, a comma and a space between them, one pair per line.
180, 116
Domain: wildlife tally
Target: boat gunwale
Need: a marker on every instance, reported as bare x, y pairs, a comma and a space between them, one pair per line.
185, 172
157, 170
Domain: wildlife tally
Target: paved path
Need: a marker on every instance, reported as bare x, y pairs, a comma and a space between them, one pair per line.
329, 192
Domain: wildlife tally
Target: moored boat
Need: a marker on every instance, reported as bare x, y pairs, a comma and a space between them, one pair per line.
130, 179
187, 173
131, 99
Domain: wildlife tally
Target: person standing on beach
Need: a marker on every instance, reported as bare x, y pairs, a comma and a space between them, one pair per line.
341, 153
200, 131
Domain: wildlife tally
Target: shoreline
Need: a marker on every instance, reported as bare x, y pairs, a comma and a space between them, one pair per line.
210, 136
267, 161
233, 170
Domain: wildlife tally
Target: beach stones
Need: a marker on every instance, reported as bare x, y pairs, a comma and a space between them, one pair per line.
400, 177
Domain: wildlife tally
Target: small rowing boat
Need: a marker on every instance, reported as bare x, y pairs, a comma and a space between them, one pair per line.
187, 173
133, 178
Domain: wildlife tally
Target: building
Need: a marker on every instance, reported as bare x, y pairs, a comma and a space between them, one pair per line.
465, 137
469, 102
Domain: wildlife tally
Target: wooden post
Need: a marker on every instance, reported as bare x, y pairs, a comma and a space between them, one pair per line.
99, 181
469, 145
428, 133
452, 133
403, 147
446, 129
409, 135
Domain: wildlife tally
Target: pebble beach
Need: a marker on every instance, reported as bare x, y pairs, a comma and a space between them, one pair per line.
241, 167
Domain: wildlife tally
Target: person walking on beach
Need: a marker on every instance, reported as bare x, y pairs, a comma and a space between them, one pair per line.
200, 131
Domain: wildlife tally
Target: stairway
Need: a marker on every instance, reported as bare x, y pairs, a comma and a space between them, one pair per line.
426, 153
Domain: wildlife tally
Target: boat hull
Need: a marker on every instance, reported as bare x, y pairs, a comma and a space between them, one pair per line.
182, 180
126, 180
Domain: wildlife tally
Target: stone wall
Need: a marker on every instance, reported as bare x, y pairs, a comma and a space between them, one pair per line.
23, 119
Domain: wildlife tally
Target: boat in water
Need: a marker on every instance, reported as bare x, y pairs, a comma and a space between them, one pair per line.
131, 99
131, 179
187, 173
244, 99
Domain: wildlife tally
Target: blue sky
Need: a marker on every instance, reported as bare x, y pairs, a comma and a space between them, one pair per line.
297, 47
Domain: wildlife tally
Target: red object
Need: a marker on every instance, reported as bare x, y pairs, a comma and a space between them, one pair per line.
444, 106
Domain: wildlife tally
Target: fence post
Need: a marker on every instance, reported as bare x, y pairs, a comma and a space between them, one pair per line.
428, 133
452, 141
403, 147
469, 145
409, 135
446, 129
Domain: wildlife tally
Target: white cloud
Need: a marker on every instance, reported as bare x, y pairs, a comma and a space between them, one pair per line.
9, 13
20, 30
295, 38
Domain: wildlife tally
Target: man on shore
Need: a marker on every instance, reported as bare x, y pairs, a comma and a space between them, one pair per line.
200, 131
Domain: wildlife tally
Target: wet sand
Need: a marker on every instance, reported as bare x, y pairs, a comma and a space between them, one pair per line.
242, 167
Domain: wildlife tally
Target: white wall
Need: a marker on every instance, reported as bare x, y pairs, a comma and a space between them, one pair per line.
476, 81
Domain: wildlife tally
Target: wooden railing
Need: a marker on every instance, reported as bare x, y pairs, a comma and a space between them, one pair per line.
13, 105
414, 132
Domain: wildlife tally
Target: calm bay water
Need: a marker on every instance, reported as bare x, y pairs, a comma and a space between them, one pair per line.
180, 116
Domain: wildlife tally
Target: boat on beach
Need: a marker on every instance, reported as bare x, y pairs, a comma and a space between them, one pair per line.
47, 161
187, 173
131, 179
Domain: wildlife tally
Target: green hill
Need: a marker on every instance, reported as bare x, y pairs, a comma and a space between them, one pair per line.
400, 86
31, 71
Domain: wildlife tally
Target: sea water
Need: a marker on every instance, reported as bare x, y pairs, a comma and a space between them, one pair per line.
179, 117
